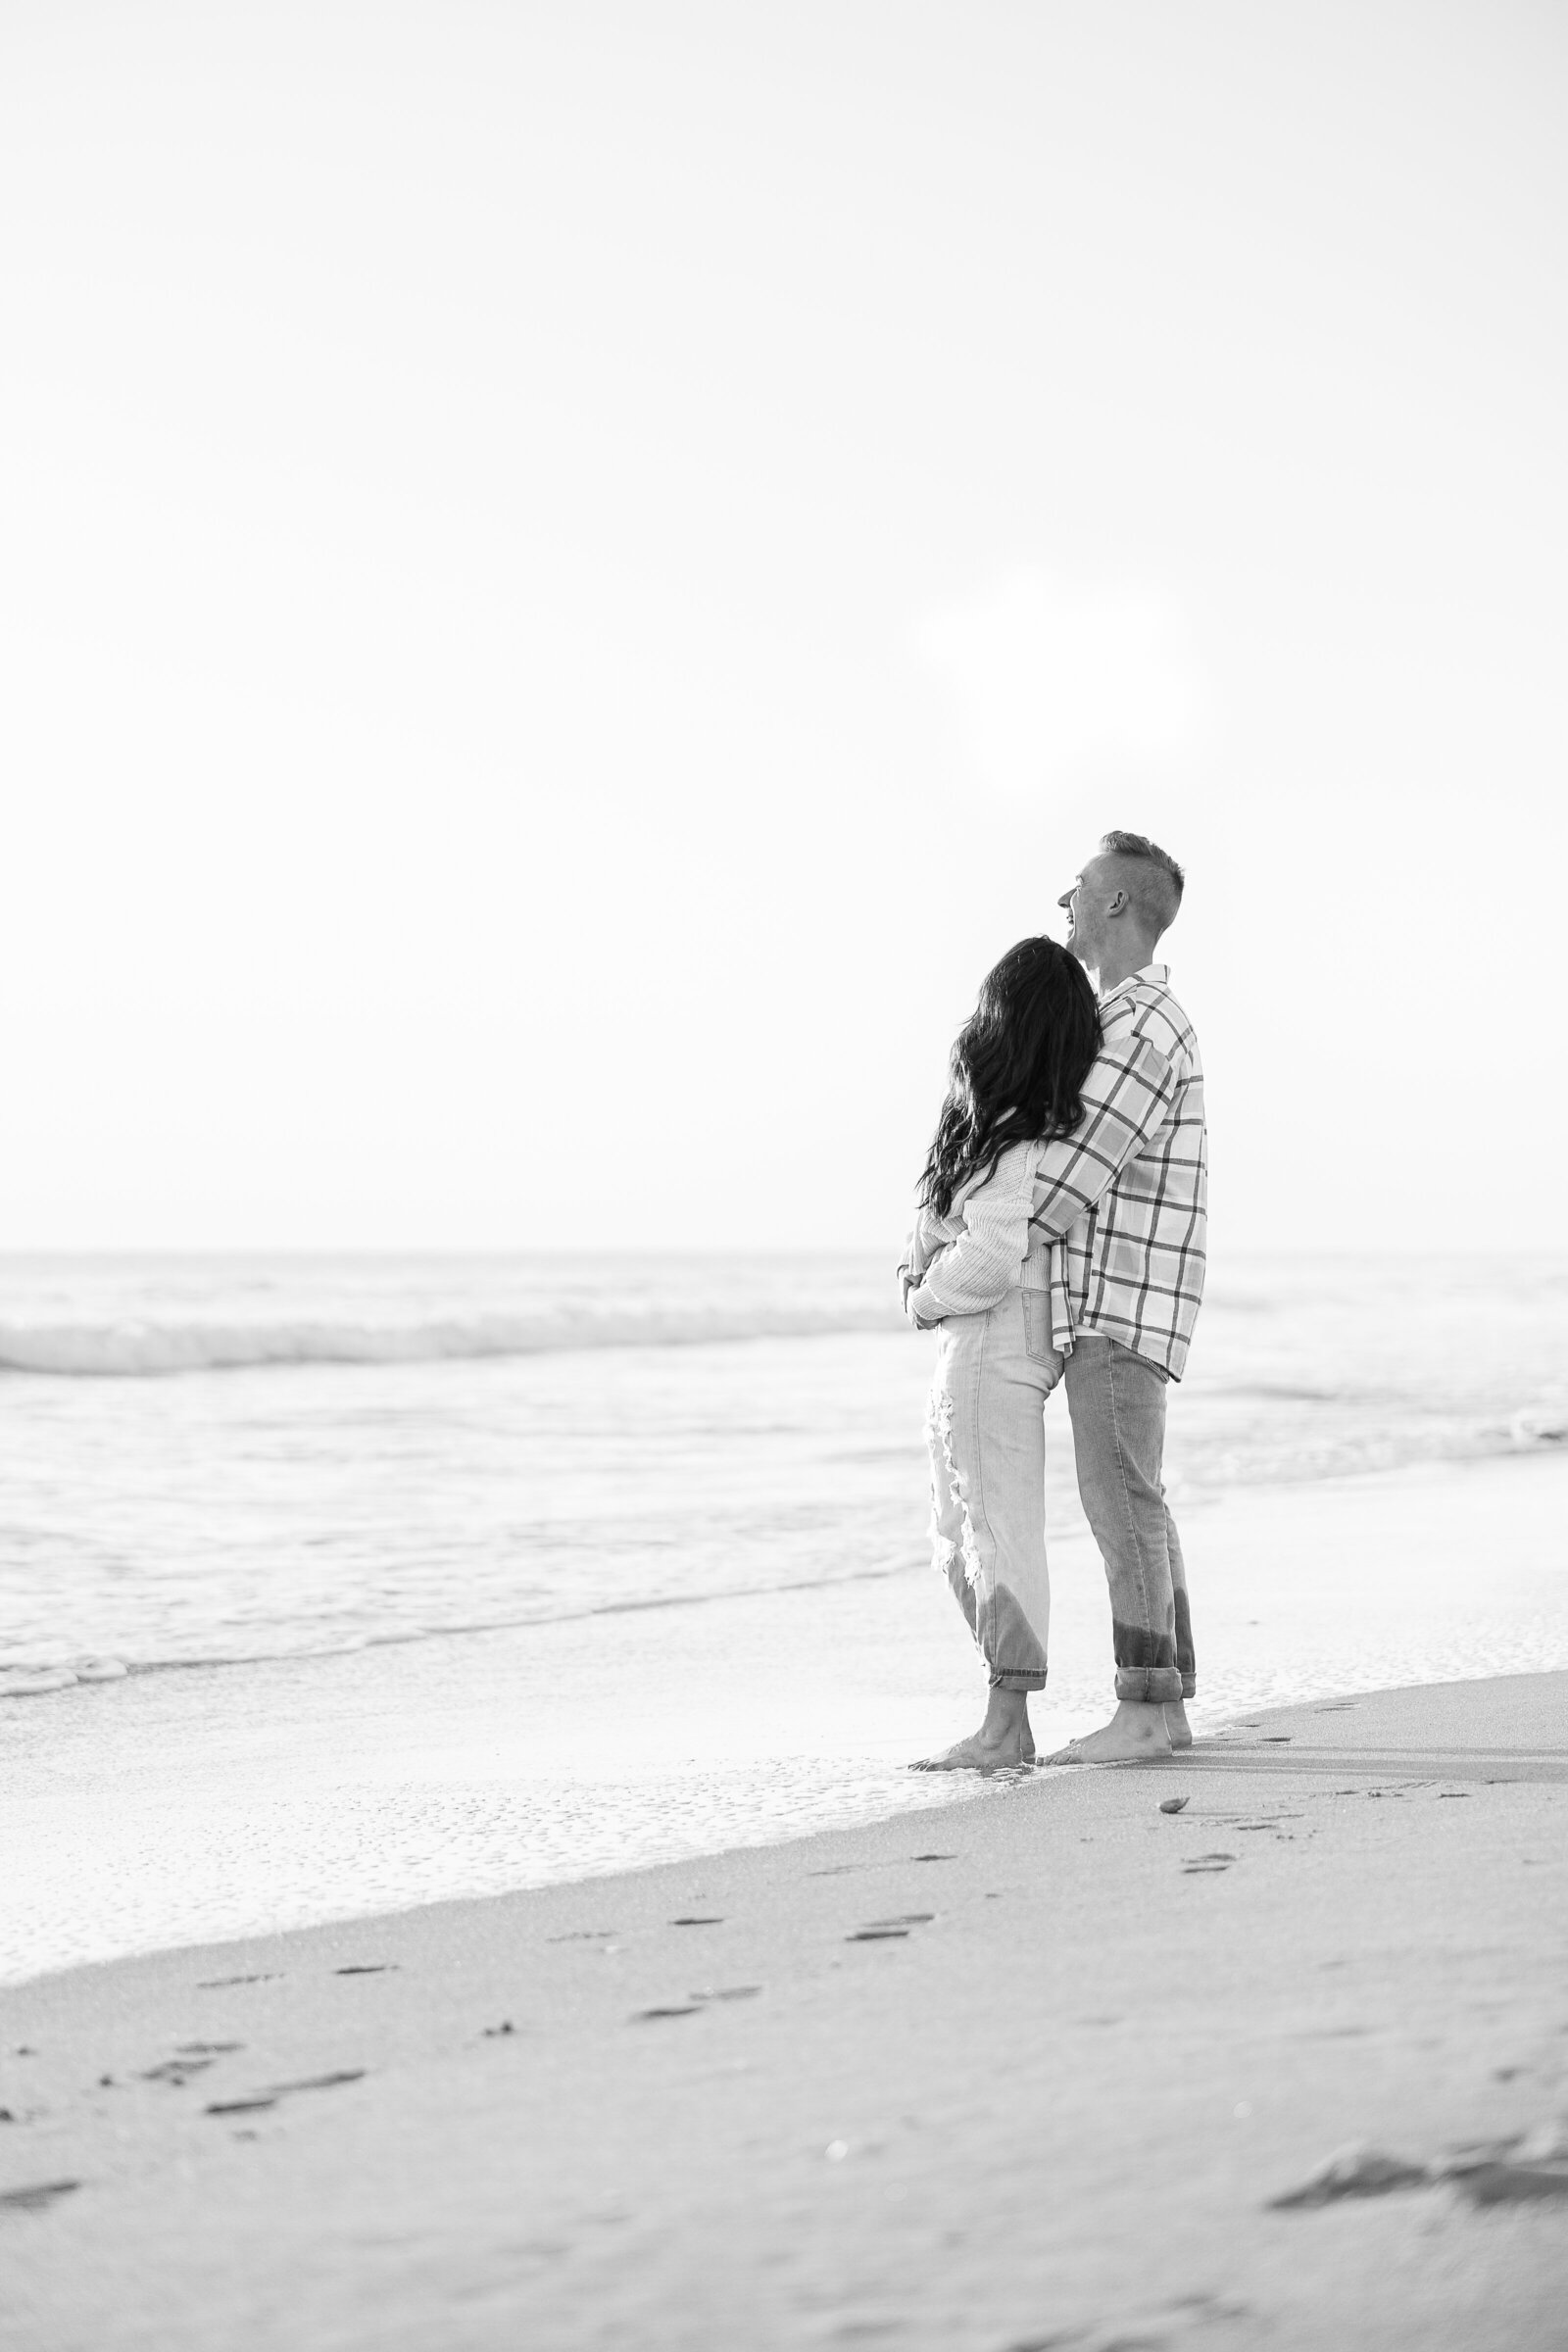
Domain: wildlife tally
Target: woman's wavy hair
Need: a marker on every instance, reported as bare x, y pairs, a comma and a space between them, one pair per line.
1018, 1067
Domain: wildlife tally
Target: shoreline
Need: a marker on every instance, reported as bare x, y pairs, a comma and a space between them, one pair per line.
930, 2083
158, 1811
1197, 1502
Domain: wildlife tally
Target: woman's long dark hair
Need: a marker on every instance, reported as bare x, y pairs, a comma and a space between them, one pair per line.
1018, 1065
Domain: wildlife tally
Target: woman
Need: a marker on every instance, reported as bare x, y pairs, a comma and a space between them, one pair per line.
997, 1292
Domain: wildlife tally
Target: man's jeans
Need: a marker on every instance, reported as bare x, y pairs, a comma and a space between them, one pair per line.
986, 1431
1117, 1403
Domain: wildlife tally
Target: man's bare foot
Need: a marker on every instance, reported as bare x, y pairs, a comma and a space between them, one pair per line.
1134, 1733
1176, 1723
1010, 1754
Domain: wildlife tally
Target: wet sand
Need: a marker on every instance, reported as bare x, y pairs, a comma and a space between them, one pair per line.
1022, 2072
192, 1806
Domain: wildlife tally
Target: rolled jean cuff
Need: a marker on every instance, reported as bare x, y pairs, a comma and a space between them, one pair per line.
1152, 1684
1016, 1681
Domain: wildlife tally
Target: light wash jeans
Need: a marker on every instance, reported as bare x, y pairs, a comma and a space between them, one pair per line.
1117, 1403
986, 1431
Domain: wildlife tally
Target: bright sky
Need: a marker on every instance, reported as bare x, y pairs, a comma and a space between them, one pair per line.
572, 575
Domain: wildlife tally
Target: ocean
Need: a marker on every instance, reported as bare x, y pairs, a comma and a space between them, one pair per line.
342, 1492
215, 1460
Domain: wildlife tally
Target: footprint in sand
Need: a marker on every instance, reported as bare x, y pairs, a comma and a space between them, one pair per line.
283, 2090
886, 1931
1352, 2171
177, 2071
696, 1918
1530, 2169
218, 1983
367, 1967
1201, 1864
642, 2016
1516, 2185
33, 2199
191, 2058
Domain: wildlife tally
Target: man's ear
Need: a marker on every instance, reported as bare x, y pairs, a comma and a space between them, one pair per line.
1118, 903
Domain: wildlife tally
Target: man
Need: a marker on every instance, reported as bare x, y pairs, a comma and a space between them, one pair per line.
1126, 1194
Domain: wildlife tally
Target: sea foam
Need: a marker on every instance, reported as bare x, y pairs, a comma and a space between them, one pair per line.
131, 1348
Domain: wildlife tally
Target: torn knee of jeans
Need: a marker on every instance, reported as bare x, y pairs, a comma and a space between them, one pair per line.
938, 1429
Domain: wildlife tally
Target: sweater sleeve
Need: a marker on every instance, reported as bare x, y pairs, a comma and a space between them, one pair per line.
982, 1263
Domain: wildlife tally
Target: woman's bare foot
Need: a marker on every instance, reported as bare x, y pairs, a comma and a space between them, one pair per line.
1176, 1723
980, 1754
1004, 1742
1134, 1733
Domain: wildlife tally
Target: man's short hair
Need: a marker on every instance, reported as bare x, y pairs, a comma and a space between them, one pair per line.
1153, 881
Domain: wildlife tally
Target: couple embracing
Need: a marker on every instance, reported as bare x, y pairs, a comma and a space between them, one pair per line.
1061, 1242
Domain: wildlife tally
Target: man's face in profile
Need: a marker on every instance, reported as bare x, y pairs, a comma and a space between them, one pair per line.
1083, 904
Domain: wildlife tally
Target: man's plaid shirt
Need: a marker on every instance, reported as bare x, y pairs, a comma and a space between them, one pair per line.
1112, 1219
1126, 1194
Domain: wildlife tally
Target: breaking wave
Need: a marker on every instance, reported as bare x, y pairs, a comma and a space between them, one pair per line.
106, 1349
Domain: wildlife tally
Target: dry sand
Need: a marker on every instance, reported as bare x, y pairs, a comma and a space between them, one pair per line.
1025, 2072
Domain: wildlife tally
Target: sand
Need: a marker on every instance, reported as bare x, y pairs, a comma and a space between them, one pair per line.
1024, 2072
